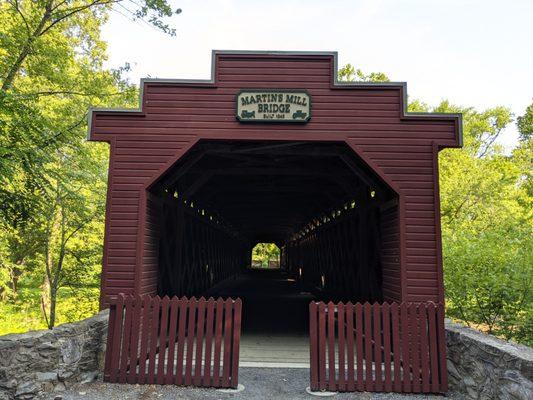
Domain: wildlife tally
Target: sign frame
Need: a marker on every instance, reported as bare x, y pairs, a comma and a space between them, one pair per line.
274, 120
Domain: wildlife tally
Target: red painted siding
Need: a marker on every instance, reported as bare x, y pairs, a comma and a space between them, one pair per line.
390, 255
368, 117
148, 280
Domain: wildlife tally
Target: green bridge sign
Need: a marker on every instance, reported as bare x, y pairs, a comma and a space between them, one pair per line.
273, 105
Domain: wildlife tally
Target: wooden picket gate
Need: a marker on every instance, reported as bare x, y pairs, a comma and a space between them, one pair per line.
378, 347
173, 341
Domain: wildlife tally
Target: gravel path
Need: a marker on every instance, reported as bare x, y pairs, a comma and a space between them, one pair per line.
259, 383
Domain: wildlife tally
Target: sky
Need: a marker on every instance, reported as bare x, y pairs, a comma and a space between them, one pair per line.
473, 53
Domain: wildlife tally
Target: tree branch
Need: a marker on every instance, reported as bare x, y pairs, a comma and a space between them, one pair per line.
15, 5
25, 51
44, 311
75, 10
489, 144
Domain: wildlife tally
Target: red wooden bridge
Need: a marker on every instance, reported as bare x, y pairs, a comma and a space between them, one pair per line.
349, 194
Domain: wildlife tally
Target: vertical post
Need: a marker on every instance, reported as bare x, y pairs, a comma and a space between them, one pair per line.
321, 346
342, 359
237, 311
182, 326
369, 381
209, 341
387, 347
109, 343
376, 308
146, 324
396, 346
174, 304
350, 332
433, 349
117, 335
190, 340
162, 341
406, 360
359, 345
313, 345
424, 349
442, 349
331, 347
414, 345
134, 340
228, 324
124, 357
199, 341
154, 335
219, 322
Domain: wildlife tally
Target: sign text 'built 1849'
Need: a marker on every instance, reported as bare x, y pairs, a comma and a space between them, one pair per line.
276, 105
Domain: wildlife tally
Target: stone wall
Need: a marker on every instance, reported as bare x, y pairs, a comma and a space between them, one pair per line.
484, 367
479, 366
52, 360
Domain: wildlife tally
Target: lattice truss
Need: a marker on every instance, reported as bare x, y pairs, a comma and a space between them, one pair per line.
322, 205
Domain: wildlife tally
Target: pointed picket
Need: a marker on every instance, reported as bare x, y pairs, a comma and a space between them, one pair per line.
154, 339
206, 381
117, 339
191, 332
126, 336
350, 356
162, 341
219, 323
331, 347
313, 344
172, 328
237, 310
387, 386
200, 330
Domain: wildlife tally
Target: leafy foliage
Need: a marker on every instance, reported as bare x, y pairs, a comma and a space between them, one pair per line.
487, 227
53, 183
349, 73
486, 199
525, 124
73, 304
262, 253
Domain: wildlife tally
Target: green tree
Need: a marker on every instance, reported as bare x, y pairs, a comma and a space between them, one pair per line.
486, 198
487, 229
349, 73
71, 222
32, 24
52, 183
523, 153
262, 253
524, 123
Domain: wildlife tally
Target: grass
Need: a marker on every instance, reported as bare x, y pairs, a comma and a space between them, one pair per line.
24, 312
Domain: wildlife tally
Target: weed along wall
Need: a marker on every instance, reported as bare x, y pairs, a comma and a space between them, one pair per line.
273, 149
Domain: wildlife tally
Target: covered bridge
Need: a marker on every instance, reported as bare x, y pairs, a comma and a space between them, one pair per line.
274, 149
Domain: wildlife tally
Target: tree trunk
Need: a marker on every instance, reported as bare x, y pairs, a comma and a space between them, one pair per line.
26, 49
10, 77
16, 272
45, 299
53, 301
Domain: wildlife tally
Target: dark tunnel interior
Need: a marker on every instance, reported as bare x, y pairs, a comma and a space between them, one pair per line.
334, 219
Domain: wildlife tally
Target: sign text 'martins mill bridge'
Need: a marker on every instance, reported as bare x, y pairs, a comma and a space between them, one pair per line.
273, 105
